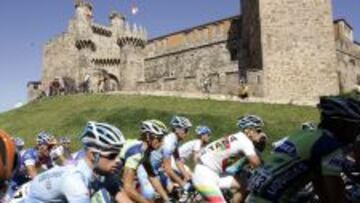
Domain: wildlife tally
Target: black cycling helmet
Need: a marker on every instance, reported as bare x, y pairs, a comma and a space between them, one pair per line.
341, 116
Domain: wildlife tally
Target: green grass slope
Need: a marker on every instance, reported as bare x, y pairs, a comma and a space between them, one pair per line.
68, 115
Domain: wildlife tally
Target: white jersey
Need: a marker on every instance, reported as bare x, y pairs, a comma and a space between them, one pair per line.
217, 154
72, 183
187, 149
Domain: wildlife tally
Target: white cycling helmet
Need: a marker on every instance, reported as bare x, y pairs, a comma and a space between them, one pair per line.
250, 121
102, 137
308, 126
180, 122
155, 127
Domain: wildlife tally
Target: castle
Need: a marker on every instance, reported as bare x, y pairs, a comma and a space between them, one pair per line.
283, 50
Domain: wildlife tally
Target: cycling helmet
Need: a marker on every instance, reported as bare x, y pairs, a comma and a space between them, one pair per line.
202, 130
180, 122
250, 121
308, 126
19, 142
8, 157
45, 138
154, 127
102, 137
340, 116
64, 140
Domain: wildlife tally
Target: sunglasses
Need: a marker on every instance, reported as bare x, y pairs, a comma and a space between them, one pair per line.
111, 156
258, 130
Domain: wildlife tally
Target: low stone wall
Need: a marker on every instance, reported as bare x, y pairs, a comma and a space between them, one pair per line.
217, 97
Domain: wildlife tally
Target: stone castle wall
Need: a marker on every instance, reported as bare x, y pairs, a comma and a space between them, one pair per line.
348, 56
282, 49
203, 59
298, 49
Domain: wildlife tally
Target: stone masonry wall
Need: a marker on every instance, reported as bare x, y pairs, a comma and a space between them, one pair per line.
203, 59
60, 58
348, 58
298, 49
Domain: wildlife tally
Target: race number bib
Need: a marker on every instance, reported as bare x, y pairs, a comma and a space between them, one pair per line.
259, 178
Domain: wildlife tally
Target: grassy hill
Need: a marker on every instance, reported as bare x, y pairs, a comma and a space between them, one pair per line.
68, 115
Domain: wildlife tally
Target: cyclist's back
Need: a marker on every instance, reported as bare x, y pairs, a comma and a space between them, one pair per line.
291, 164
302, 157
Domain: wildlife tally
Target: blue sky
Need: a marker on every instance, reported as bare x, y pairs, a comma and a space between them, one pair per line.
26, 25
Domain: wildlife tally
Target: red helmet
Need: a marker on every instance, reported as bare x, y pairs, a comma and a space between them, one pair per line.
8, 157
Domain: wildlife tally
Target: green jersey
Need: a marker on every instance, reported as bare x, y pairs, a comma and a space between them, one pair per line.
292, 164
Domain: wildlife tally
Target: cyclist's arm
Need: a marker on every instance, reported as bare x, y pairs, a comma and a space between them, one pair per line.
128, 179
155, 181
196, 156
254, 161
30, 163
181, 167
171, 173
196, 151
31, 171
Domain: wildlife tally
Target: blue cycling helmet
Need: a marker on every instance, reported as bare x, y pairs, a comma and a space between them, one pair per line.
45, 138
180, 122
19, 142
250, 121
202, 130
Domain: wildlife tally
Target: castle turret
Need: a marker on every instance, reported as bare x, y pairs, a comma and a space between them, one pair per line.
117, 22
132, 40
83, 37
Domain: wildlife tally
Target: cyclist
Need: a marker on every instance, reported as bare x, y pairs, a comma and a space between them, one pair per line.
35, 159
162, 158
191, 149
8, 161
61, 154
136, 158
77, 183
66, 142
216, 156
298, 160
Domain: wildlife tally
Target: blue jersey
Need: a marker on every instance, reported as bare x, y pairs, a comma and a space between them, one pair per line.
30, 158
71, 183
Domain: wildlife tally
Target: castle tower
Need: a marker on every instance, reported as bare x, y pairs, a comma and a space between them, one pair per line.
83, 34
292, 42
117, 22
132, 40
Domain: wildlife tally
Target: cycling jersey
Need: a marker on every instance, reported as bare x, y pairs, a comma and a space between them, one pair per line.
290, 166
188, 148
133, 153
30, 158
78, 155
223, 152
72, 183
168, 149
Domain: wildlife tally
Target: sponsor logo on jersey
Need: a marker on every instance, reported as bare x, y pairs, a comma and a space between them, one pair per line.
287, 148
